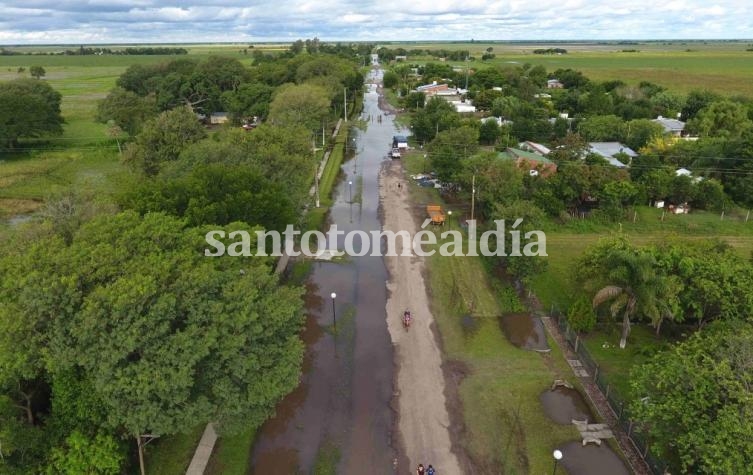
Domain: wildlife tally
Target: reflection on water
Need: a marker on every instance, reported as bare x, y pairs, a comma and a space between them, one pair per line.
524, 331
563, 405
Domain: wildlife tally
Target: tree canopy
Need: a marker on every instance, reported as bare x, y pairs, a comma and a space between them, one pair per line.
696, 401
158, 336
28, 109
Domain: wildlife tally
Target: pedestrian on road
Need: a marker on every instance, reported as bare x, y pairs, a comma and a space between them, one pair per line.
420, 469
430, 470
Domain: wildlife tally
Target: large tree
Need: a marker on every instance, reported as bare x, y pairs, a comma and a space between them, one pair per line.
450, 148
304, 105
696, 402
28, 108
723, 118
629, 279
162, 139
126, 109
163, 336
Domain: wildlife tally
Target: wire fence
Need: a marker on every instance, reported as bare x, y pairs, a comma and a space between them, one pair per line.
615, 400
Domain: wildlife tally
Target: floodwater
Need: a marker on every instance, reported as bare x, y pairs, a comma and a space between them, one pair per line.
345, 394
19, 219
563, 405
524, 331
591, 460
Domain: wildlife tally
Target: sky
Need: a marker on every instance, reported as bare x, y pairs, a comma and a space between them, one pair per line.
194, 21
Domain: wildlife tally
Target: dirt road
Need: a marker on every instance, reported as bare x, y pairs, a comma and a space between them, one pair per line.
423, 419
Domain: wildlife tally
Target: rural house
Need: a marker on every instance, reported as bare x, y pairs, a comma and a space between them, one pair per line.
672, 127
533, 162
610, 150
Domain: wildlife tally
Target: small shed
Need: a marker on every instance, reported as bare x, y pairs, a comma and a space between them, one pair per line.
218, 118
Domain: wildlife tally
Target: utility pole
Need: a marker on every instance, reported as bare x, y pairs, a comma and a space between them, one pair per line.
140, 445
467, 59
473, 196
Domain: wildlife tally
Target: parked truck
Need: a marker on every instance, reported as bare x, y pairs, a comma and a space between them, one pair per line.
435, 214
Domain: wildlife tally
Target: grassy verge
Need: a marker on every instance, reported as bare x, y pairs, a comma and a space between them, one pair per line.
315, 217
231, 454
172, 455
506, 428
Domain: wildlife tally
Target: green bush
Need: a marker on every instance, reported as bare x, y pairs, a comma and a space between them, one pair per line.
581, 316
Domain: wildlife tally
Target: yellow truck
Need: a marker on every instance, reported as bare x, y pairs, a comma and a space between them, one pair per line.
435, 214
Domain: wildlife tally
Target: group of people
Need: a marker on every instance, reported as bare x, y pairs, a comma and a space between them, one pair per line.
420, 470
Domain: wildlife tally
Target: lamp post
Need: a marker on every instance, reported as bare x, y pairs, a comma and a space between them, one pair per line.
557, 457
350, 192
449, 218
334, 316
424, 163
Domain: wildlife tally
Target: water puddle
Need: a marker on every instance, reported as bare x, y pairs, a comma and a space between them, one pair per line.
19, 219
563, 405
524, 331
591, 460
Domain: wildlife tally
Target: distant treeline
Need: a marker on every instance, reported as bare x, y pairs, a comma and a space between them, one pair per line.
550, 51
387, 54
161, 50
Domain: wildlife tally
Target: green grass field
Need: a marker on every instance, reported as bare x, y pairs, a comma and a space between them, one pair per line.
681, 66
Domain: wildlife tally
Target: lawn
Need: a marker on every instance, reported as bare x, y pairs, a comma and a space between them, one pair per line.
231, 454
615, 363
172, 455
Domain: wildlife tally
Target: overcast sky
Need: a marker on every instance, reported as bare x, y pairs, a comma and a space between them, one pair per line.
120, 21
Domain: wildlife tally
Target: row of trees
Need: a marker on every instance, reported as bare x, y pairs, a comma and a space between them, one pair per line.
224, 84
114, 326
693, 399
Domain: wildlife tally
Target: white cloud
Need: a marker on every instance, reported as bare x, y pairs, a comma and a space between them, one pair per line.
74, 21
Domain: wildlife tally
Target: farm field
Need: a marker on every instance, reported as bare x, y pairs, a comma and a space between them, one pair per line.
724, 67
84, 157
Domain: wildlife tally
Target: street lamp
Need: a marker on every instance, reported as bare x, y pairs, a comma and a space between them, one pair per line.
334, 316
350, 192
449, 214
424, 163
557, 457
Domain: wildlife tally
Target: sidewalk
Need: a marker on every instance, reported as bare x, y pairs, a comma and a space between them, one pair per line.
637, 465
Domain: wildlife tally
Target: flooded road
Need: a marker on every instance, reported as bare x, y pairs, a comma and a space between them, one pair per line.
342, 406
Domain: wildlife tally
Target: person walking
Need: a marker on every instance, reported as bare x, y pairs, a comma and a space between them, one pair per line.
430, 470
420, 469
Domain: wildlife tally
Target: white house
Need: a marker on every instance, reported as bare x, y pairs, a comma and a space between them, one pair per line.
608, 150
463, 107
534, 147
671, 126
683, 172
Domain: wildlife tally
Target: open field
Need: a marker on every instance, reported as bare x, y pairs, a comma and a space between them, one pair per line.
724, 67
84, 157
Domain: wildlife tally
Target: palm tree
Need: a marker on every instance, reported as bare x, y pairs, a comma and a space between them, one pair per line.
635, 289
